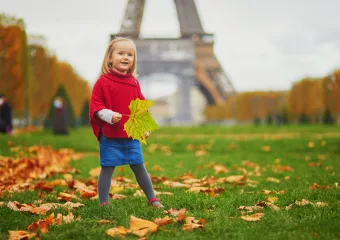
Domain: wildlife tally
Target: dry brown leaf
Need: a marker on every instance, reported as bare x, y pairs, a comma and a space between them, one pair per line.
201, 153
16, 206
317, 186
157, 168
219, 168
51, 205
78, 185
190, 147
94, 172
311, 144
235, 179
191, 223
39, 210
250, 208
303, 202
87, 193
321, 204
249, 164
178, 214
68, 177
191, 181
68, 218
274, 180
176, 184
41, 225
123, 179
66, 196
290, 207
197, 189
139, 193
281, 168
118, 231
141, 227
20, 235
273, 206
188, 227
267, 192
266, 148
118, 196
70, 205
163, 221
253, 218
156, 179
60, 219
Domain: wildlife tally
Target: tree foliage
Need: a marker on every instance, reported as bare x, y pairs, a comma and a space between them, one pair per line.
30, 74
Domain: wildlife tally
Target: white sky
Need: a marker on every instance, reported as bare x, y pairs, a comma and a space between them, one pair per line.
262, 44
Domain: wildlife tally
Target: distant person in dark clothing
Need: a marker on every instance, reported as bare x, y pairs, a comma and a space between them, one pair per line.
5, 115
60, 125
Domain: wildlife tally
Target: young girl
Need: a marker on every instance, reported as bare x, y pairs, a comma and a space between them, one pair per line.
111, 96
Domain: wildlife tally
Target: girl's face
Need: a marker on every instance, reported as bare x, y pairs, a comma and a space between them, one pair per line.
123, 56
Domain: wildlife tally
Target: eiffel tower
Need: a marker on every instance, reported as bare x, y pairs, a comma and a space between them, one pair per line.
191, 57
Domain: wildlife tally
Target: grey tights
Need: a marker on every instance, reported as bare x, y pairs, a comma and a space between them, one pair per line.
142, 177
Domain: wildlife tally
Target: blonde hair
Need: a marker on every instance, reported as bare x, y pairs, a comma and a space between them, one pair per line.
106, 66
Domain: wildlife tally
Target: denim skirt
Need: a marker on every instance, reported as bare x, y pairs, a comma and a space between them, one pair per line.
119, 151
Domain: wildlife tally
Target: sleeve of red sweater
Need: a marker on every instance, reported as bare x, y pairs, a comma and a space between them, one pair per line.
97, 100
141, 96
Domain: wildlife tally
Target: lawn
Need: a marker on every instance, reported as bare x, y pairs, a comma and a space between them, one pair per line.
287, 176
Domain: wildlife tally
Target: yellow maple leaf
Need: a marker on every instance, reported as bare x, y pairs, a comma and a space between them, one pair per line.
140, 120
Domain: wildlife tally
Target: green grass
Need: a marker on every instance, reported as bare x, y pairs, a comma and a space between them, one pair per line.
228, 146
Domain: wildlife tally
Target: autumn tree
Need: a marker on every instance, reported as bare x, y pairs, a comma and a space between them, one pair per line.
14, 64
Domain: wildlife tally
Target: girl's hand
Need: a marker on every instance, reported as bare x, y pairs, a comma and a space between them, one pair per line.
146, 134
116, 117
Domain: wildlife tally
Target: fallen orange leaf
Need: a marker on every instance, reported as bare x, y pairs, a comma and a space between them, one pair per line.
141, 227
191, 223
179, 214
266, 148
157, 168
16, 235
163, 221
118, 232
41, 225
66, 196
87, 193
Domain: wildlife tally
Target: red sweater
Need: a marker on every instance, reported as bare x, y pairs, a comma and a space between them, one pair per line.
113, 91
